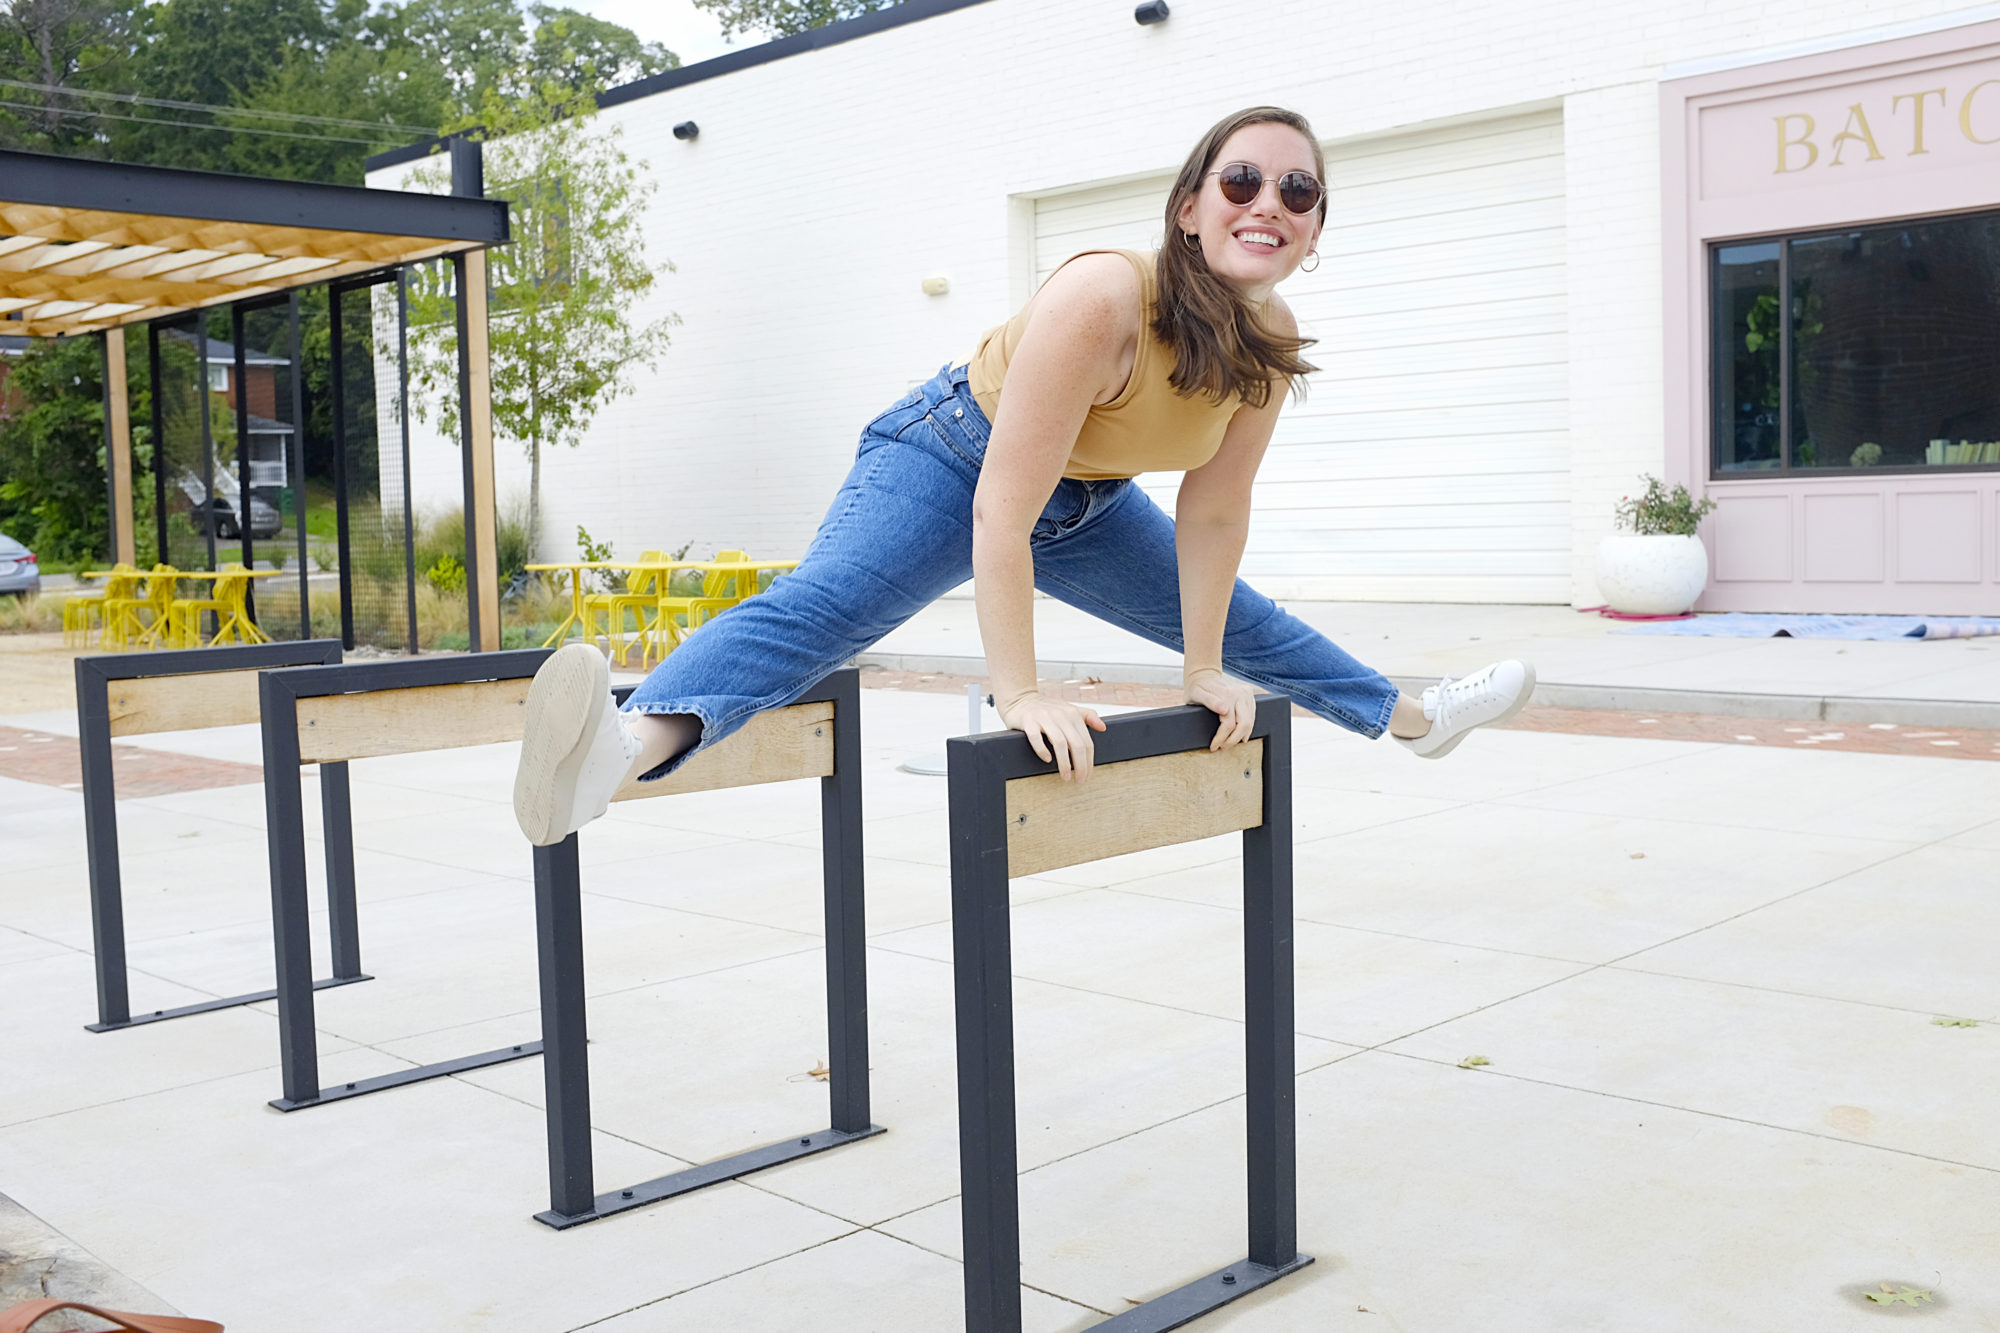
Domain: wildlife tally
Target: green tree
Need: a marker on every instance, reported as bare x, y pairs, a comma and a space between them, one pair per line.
578, 51
52, 450
472, 46
213, 52
380, 99
562, 334
784, 18
48, 48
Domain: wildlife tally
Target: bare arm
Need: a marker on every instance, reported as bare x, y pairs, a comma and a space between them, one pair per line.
1069, 356
1211, 524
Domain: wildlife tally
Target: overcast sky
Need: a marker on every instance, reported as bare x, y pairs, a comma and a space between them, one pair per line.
688, 32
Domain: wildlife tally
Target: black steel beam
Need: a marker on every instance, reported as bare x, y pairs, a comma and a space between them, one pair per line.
213, 196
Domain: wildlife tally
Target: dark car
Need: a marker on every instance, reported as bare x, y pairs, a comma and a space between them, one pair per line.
264, 520
20, 573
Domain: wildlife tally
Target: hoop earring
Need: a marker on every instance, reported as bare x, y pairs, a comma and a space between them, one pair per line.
1191, 241
1312, 255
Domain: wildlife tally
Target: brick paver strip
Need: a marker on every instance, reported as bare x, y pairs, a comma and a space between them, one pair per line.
34, 756
37, 756
1867, 738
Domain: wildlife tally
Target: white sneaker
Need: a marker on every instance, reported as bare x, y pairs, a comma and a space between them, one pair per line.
1491, 694
576, 750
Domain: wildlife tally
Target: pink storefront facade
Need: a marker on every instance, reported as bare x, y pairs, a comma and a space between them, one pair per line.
1832, 266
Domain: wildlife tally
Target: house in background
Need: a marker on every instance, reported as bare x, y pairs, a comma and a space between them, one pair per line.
269, 438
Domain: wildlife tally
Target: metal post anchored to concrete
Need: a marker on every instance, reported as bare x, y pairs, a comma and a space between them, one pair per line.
329, 715
817, 736
135, 694
1154, 783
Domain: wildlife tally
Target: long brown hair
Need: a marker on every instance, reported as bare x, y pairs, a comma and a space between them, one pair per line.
1220, 345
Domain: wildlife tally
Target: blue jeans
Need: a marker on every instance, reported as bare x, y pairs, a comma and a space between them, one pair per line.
899, 535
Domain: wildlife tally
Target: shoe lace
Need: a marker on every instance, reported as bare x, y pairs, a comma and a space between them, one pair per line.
1442, 699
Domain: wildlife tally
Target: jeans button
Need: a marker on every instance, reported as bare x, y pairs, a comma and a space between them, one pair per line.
958, 411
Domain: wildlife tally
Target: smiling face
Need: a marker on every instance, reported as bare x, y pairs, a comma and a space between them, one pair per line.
1257, 245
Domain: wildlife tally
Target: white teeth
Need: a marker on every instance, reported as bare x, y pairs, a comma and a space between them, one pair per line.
1259, 237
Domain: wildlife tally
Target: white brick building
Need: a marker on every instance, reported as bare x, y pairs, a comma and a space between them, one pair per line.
1490, 308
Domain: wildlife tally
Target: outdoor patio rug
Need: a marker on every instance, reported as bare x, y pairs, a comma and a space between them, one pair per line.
1745, 625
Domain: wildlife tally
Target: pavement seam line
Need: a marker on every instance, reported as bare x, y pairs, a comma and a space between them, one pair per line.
1696, 1110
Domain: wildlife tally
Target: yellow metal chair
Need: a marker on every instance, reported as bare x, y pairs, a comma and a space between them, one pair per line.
637, 597
144, 619
229, 600
84, 612
681, 616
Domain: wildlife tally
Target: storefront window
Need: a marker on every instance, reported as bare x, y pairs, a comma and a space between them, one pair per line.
1887, 356
1747, 346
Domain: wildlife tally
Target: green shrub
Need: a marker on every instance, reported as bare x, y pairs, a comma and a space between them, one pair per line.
1662, 513
447, 574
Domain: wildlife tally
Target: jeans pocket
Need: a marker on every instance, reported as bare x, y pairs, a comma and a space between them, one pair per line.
1066, 509
959, 429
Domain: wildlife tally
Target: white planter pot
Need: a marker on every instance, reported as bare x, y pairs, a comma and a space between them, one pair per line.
1651, 576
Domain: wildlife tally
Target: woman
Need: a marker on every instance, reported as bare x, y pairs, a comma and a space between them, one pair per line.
1015, 468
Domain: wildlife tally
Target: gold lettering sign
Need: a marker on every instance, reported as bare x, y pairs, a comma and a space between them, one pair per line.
1848, 134
1803, 141
1965, 113
1917, 136
1797, 150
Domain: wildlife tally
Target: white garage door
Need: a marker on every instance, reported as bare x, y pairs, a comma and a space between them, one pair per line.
1430, 459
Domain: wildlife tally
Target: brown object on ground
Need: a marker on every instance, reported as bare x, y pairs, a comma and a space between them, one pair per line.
52, 761
1862, 737
29, 1313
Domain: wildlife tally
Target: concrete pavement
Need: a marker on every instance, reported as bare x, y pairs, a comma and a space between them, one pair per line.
1706, 979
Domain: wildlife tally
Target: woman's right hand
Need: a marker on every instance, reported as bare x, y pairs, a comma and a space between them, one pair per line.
1056, 729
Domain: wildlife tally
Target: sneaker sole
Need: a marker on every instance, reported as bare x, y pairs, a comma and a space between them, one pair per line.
1527, 693
565, 703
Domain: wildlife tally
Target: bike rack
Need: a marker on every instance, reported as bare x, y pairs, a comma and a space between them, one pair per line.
329, 715
817, 736
1154, 783
186, 690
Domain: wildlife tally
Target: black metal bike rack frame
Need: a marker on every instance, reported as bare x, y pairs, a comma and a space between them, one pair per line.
980, 768
565, 1064
281, 692
96, 678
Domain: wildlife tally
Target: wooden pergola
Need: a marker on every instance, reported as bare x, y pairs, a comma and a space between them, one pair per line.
99, 247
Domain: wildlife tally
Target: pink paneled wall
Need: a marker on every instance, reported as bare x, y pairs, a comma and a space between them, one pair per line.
1894, 129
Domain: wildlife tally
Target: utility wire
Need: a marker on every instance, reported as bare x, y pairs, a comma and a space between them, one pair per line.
136, 99
187, 124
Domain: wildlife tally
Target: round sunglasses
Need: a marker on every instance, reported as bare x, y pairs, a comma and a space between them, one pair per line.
1241, 183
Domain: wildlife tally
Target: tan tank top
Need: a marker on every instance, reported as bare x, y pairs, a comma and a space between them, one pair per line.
1147, 427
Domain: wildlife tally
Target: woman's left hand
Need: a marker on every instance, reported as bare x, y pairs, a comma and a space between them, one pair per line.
1231, 700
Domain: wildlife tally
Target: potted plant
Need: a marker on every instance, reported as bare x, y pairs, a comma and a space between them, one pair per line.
1654, 565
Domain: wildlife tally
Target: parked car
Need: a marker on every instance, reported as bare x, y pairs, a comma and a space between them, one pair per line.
20, 573
264, 520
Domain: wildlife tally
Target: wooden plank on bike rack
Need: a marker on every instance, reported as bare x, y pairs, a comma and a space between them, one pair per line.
413, 720
141, 705
1133, 806
776, 746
